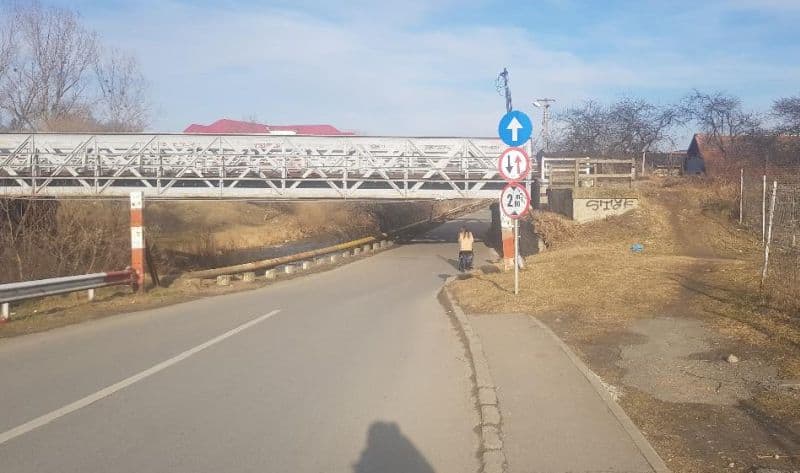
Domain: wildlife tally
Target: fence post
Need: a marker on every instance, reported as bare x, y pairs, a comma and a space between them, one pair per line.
741, 194
764, 210
644, 159
137, 237
577, 172
633, 170
769, 232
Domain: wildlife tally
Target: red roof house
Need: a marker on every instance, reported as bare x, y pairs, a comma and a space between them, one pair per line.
225, 125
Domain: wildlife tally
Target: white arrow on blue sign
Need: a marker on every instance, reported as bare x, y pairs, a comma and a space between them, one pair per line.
515, 128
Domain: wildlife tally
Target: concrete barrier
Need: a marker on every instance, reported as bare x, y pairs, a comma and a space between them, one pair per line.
270, 274
289, 269
366, 248
346, 254
224, 280
249, 276
376, 246
356, 251
587, 210
333, 258
306, 265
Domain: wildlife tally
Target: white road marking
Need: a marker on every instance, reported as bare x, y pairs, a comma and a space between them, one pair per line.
109, 390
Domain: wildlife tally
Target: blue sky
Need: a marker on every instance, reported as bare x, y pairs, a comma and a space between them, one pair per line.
428, 67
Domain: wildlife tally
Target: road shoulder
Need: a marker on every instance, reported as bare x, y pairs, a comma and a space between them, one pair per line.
553, 413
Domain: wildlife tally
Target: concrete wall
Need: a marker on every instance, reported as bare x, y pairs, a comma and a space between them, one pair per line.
560, 201
586, 210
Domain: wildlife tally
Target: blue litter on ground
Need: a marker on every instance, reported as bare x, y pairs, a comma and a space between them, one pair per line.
637, 247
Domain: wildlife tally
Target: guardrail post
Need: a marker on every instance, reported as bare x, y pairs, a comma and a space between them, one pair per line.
90, 294
137, 238
6, 312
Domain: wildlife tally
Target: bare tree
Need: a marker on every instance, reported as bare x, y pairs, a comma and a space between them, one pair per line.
584, 128
49, 74
122, 105
6, 43
638, 125
53, 76
627, 127
6, 51
787, 111
720, 116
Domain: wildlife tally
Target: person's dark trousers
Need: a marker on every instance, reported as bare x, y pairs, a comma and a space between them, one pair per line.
464, 260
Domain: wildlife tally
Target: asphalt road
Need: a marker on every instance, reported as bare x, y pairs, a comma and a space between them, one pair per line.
357, 369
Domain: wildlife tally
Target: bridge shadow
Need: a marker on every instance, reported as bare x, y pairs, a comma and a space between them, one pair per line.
389, 451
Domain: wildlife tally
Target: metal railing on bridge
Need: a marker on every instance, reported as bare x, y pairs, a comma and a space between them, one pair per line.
248, 166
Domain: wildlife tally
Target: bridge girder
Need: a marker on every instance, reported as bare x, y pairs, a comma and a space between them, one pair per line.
249, 166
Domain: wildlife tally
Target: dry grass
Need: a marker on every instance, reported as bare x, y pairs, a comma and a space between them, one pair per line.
591, 288
589, 270
202, 234
616, 192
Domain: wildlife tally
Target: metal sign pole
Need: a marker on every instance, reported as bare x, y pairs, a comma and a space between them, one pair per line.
516, 257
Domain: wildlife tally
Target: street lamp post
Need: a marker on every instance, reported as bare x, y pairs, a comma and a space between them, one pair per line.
544, 104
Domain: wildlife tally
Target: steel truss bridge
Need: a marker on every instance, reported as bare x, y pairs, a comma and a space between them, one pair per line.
175, 166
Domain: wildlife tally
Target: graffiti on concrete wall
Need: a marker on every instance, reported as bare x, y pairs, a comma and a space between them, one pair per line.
605, 205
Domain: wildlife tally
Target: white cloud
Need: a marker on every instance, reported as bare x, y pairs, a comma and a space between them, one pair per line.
373, 69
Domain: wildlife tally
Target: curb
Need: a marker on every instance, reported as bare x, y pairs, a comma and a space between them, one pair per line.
490, 432
647, 450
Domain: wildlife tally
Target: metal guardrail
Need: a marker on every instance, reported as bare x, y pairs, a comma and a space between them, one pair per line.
275, 262
19, 291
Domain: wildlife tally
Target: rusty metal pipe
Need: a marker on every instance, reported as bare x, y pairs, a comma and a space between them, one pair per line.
273, 262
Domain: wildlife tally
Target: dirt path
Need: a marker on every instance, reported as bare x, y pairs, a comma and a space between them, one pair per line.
659, 326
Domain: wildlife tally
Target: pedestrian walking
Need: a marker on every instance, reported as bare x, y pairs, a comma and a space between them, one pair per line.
465, 254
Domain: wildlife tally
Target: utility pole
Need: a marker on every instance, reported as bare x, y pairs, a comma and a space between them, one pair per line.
502, 88
544, 104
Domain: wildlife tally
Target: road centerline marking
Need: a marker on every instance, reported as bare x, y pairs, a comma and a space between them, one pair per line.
109, 390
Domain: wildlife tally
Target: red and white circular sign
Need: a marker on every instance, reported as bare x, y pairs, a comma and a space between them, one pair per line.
514, 164
515, 200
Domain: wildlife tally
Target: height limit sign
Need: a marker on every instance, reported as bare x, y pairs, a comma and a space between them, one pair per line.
515, 200
514, 165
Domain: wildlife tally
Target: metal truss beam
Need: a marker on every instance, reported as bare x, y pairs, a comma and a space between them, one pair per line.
173, 166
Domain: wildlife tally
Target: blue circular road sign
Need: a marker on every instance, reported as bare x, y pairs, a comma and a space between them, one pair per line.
515, 128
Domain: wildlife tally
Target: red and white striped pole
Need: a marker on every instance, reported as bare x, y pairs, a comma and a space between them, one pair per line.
137, 238
507, 232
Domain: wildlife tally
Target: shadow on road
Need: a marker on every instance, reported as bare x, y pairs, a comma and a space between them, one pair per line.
389, 451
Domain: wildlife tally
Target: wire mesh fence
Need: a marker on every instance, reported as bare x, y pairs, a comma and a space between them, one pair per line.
770, 207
